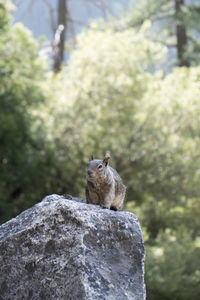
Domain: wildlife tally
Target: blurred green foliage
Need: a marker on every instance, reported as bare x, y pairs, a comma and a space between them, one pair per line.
108, 97
24, 157
172, 266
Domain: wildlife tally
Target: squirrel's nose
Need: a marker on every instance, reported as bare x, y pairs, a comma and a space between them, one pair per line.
89, 172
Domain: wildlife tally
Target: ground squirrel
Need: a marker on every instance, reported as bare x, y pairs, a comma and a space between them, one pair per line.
104, 185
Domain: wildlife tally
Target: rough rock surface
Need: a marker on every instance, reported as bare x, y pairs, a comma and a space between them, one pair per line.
66, 249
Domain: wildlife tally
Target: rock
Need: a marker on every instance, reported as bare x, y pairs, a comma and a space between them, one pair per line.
67, 249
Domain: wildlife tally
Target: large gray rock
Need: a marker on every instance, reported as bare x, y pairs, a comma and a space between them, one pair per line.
66, 249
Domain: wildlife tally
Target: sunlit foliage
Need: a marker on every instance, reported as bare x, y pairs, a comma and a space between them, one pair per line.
110, 96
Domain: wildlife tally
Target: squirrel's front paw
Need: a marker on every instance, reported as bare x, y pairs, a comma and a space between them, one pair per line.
105, 207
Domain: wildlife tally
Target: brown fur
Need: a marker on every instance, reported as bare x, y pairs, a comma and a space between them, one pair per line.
104, 185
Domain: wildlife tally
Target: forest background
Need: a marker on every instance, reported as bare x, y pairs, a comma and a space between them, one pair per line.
129, 84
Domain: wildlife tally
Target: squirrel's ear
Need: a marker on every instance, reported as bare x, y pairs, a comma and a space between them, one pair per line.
106, 159
92, 157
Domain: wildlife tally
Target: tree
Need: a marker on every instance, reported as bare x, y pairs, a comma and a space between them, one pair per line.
5, 9
61, 34
174, 23
63, 24
181, 35
23, 150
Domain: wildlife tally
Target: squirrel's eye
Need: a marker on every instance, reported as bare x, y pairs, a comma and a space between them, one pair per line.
100, 166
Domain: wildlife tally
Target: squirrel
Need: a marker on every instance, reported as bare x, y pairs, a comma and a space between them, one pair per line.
104, 186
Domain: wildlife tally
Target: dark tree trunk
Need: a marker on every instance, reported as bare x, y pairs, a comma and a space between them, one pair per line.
181, 36
59, 55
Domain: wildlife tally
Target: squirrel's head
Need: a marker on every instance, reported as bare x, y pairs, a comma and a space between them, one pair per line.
97, 168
